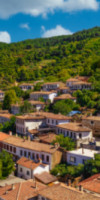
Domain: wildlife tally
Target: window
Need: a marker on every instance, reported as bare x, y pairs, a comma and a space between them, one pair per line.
14, 150
83, 161
10, 148
42, 157
21, 169
25, 153
80, 135
29, 154
7, 147
71, 134
47, 158
21, 153
72, 159
92, 122
33, 156
37, 156
28, 173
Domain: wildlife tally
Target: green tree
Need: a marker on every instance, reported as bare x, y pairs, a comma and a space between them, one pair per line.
10, 98
9, 126
65, 142
26, 108
6, 164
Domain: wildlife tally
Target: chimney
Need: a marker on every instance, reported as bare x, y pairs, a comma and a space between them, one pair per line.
81, 188
82, 150
56, 145
16, 135
13, 187
10, 132
69, 182
35, 183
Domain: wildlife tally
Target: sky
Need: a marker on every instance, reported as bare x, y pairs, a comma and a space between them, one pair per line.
29, 19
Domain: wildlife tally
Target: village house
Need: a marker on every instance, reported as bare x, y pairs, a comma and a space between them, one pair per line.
76, 131
62, 192
78, 84
5, 118
92, 122
27, 168
2, 94
39, 120
2, 137
26, 190
91, 184
55, 119
29, 122
79, 156
64, 90
26, 86
46, 95
18, 147
65, 97
37, 105
51, 86
15, 109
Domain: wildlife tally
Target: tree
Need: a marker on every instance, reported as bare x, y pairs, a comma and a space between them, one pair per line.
26, 108
65, 142
6, 164
10, 98
9, 126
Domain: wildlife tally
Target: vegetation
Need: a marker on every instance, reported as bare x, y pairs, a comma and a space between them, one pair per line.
6, 164
88, 169
64, 106
52, 59
10, 98
9, 126
26, 108
64, 142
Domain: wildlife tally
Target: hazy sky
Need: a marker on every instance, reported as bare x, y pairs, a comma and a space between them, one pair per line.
25, 19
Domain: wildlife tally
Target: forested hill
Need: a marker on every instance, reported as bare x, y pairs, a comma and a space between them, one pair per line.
51, 59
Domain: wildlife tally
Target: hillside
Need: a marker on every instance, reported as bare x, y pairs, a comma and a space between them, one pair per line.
51, 59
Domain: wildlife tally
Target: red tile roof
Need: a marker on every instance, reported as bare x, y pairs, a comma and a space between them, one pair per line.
45, 177
92, 183
21, 191
3, 136
62, 192
74, 127
30, 164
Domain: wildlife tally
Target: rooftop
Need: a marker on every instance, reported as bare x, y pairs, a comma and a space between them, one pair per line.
21, 191
8, 115
84, 152
11, 180
62, 192
36, 102
92, 183
65, 96
77, 127
45, 177
94, 118
26, 144
28, 163
44, 92
3, 136
47, 138
32, 116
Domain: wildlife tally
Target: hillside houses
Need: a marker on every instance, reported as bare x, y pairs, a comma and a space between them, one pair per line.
76, 131
26, 86
38, 120
46, 95
5, 117
78, 83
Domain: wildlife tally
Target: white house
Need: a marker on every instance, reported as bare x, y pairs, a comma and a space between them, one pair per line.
29, 122
79, 156
76, 131
26, 86
18, 147
38, 105
27, 168
51, 86
44, 94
